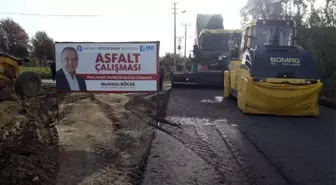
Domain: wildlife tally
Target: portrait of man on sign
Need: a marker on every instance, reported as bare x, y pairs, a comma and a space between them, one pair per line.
66, 77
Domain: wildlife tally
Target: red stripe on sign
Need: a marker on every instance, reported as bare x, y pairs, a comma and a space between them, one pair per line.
120, 76
108, 91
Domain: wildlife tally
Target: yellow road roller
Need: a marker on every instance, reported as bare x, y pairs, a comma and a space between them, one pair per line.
13, 82
269, 74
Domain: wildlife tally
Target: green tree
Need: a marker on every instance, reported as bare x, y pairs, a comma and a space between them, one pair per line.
168, 62
43, 46
274, 9
316, 26
13, 38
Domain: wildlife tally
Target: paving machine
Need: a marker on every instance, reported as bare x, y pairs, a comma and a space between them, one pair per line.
270, 74
12, 82
210, 53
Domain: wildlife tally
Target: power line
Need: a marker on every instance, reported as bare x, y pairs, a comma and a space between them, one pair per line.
76, 15
54, 15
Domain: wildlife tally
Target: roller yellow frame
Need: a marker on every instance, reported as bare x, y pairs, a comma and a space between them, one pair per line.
9, 69
12, 82
271, 75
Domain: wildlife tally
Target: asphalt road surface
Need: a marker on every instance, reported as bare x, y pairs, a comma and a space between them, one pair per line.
207, 141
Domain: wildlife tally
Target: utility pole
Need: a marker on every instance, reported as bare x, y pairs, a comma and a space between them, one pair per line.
174, 8
185, 38
179, 45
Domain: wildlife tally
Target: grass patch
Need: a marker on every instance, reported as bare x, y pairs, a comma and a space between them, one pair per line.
45, 72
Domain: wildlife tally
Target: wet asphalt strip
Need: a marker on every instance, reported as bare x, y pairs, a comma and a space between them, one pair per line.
254, 165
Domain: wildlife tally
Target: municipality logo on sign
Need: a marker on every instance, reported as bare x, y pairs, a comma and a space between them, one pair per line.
79, 48
147, 48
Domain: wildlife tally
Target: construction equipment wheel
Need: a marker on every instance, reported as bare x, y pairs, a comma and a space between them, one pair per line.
28, 85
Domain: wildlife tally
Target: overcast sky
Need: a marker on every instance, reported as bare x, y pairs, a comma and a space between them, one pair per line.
124, 20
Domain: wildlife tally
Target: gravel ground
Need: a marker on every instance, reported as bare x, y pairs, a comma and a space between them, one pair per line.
203, 140
100, 141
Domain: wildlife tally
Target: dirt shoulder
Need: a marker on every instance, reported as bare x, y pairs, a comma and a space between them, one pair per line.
101, 140
96, 134
96, 140
28, 142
